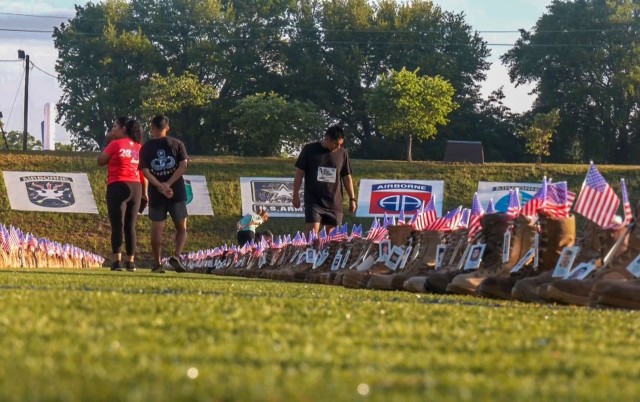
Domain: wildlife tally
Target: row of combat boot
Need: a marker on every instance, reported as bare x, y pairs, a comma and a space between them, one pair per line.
508, 269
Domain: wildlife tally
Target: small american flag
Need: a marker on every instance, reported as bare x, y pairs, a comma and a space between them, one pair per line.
448, 222
559, 200
377, 232
425, 217
322, 237
464, 220
401, 218
297, 239
626, 205
312, 237
597, 200
536, 202
491, 208
476, 214
513, 209
356, 232
388, 220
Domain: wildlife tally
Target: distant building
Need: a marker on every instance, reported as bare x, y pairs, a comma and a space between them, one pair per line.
464, 151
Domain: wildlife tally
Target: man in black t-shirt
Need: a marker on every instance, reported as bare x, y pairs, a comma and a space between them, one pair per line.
163, 161
325, 168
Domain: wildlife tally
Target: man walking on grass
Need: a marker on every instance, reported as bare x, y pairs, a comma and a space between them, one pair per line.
163, 161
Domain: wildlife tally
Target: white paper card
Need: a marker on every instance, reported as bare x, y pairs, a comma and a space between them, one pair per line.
563, 266
581, 270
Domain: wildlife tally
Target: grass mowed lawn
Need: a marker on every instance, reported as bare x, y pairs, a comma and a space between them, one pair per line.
96, 335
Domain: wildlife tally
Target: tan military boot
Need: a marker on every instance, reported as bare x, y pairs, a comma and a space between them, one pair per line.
594, 246
452, 262
398, 236
423, 260
617, 294
555, 235
494, 227
574, 291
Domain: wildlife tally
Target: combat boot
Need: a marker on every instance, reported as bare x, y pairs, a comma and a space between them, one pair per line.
554, 236
398, 236
452, 262
420, 261
494, 227
576, 291
616, 294
595, 245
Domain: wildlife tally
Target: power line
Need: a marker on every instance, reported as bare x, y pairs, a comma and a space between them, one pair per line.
24, 30
41, 70
10, 61
14, 99
35, 15
378, 43
375, 31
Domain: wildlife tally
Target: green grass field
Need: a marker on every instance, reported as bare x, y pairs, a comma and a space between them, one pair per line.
96, 335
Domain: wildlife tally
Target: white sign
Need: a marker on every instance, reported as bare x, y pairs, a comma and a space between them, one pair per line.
50, 192
198, 200
273, 194
499, 192
377, 197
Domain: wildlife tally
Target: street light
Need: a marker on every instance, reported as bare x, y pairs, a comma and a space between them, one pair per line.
23, 56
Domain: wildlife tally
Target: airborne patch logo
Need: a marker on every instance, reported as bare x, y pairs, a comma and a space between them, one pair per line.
49, 191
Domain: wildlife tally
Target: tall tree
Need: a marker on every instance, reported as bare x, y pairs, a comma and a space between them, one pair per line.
404, 104
539, 134
584, 57
14, 140
102, 60
269, 125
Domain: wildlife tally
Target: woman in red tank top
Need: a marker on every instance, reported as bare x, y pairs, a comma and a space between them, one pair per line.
125, 185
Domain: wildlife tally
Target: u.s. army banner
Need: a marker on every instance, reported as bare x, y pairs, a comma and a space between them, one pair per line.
50, 192
273, 194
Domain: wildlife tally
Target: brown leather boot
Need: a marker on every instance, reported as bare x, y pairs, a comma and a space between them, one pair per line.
494, 227
452, 262
574, 291
555, 235
594, 243
424, 261
398, 236
617, 294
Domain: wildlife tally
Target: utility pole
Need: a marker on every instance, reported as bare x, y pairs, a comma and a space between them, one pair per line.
26, 103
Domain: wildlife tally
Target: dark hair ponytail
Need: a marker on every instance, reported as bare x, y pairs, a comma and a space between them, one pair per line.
131, 127
133, 130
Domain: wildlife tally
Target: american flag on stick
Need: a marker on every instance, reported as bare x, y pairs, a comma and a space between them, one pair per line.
476, 215
491, 208
425, 216
448, 222
597, 200
513, 209
559, 200
626, 205
356, 232
536, 202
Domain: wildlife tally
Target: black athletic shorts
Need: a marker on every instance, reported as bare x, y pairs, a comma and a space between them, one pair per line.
177, 210
328, 217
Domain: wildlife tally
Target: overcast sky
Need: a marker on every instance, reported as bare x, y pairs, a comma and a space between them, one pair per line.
483, 15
